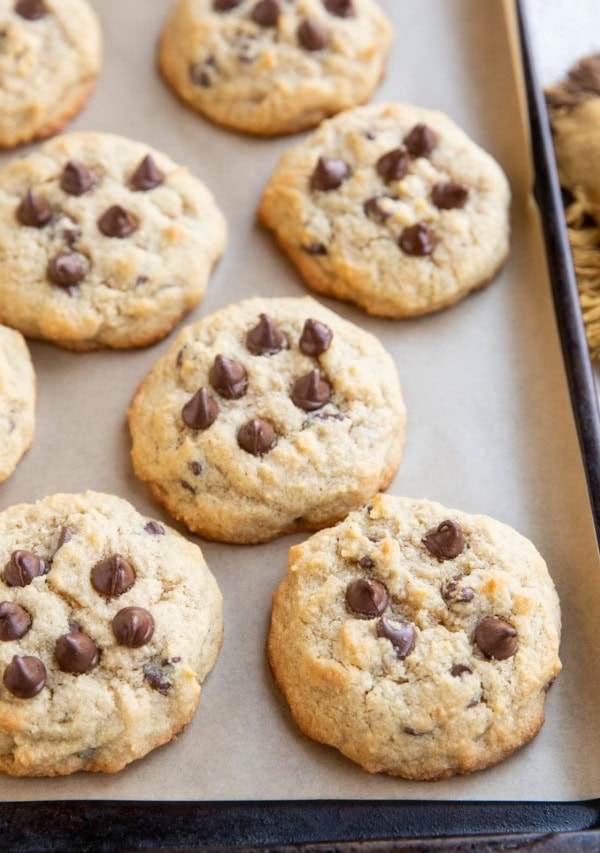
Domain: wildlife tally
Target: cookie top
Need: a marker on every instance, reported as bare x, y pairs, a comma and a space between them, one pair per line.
418, 640
392, 207
268, 417
274, 66
17, 400
104, 242
50, 52
109, 622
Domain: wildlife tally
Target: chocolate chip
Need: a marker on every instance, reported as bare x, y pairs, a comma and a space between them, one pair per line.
31, 10
310, 392
201, 411
327, 416
316, 337
367, 598
187, 486
449, 195
25, 676
414, 732
228, 378
402, 636
393, 166
459, 669
496, 638
454, 594
421, 141
341, 8
117, 222
34, 211
76, 652
22, 568
374, 209
147, 175
65, 535
312, 35
113, 576
195, 468
155, 675
133, 627
266, 13
71, 235
366, 562
200, 75
225, 5
76, 178
179, 359
154, 528
15, 621
329, 174
314, 248
446, 541
256, 436
417, 240
66, 269
264, 338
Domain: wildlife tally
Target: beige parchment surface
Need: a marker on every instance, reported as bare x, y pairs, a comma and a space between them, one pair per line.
489, 428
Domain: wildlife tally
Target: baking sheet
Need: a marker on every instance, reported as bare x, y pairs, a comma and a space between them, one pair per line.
489, 428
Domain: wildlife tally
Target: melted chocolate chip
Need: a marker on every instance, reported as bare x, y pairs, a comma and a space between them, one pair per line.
201, 74
453, 594
76, 178
264, 338
225, 5
147, 175
401, 636
66, 269
65, 535
459, 669
314, 248
133, 627
266, 13
156, 676
366, 562
449, 195
154, 528
117, 222
393, 166
329, 174
113, 576
15, 621
312, 35
340, 8
421, 141
25, 676
367, 598
32, 10
195, 468
446, 541
34, 211
76, 652
310, 392
496, 638
228, 378
417, 240
374, 209
22, 568
201, 411
256, 436
316, 338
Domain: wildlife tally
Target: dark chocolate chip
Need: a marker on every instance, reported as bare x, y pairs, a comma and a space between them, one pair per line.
200, 75
225, 5
417, 240
449, 195
117, 222
367, 598
256, 436
421, 141
401, 636
76, 178
147, 175
15, 621
195, 468
200, 411
264, 338
32, 10
316, 338
393, 166
133, 627
65, 535
314, 248
340, 8
329, 174
366, 562
496, 638
154, 528
76, 652
71, 235
459, 669
25, 676
453, 594
34, 211
22, 568
266, 13
155, 675
446, 541
66, 269
374, 209
310, 392
113, 576
312, 35
228, 378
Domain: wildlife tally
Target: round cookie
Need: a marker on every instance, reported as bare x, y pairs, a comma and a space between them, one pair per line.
270, 416
17, 400
104, 242
270, 67
392, 207
419, 641
109, 623
50, 52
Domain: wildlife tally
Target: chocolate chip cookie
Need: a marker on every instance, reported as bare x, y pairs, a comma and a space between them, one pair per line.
419, 641
17, 400
274, 66
50, 52
392, 207
104, 242
109, 623
268, 417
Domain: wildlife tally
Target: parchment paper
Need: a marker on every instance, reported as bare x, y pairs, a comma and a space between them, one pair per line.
489, 428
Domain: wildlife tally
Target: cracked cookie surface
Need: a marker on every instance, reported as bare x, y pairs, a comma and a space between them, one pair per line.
390, 206
109, 623
17, 400
268, 417
104, 242
418, 640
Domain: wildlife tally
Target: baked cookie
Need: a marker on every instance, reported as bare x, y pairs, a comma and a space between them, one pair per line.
104, 242
392, 207
109, 623
419, 641
17, 400
50, 52
268, 417
274, 66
